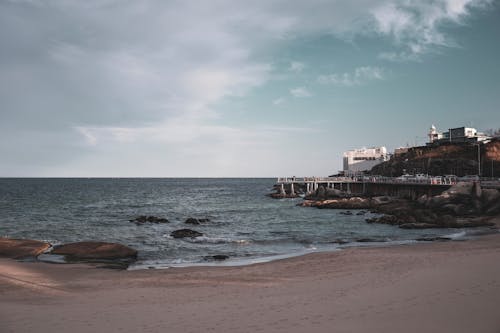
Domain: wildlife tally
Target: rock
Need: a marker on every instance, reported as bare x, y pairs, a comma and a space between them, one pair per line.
183, 233
418, 226
218, 257
361, 213
422, 200
21, 248
321, 192
381, 200
192, 220
493, 209
460, 188
447, 221
490, 195
340, 241
151, 219
334, 193
476, 190
346, 213
282, 196
95, 251
452, 208
366, 240
432, 239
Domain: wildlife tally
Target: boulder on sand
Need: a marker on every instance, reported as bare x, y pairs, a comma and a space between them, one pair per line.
95, 251
21, 248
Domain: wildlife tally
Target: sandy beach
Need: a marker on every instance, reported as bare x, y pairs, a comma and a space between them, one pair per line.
427, 287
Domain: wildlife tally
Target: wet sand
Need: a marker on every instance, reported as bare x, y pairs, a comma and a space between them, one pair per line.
426, 287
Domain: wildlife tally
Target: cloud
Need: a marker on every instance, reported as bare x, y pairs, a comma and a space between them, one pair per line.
416, 26
296, 67
278, 101
300, 92
78, 75
361, 75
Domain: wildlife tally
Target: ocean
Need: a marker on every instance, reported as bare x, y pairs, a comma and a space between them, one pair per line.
245, 224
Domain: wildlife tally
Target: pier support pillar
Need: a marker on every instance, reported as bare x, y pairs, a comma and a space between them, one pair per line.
292, 191
283, 189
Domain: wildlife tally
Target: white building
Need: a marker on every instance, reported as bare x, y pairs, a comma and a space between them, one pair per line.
360, 160
459, 134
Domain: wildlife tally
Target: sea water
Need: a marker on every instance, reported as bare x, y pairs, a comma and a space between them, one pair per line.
245, 224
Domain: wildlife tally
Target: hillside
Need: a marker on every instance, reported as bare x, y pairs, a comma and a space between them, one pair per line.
456, 159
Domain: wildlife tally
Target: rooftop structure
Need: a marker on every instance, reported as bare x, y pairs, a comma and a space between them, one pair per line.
360, 160
456, 135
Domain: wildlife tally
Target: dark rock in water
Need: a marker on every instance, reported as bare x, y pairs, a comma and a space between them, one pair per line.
21, 248
218, 257
433, 239
346, 213
192, 220
183, 233
282, 196
151, 219
95, 251
366, 240
361, 213
340, 241
418, 226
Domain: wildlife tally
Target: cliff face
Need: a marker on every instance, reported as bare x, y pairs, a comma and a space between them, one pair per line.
450, 159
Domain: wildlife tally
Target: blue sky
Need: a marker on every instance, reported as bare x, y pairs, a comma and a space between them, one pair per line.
233, 88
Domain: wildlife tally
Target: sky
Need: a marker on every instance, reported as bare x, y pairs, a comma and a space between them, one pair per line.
225, 88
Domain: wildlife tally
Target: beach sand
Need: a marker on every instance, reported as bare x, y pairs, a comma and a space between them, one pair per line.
426, 287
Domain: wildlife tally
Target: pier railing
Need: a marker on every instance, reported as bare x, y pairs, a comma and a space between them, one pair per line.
369, 179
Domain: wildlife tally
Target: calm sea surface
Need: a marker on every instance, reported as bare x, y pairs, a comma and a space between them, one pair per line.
244, 223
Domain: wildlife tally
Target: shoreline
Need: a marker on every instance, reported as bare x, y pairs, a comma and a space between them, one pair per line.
427, 286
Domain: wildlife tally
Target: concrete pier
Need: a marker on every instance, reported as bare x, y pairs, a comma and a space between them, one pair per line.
367, 185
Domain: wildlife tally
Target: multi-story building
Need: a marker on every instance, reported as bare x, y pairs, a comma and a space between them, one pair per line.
360, 160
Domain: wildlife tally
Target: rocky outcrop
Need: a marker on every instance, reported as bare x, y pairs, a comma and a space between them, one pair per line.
148, 219
462, 205
340, 203
22, 248
94, 251
185, 233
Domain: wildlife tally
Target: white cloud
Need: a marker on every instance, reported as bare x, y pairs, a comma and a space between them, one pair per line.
416, 26
278, 101
361, 75
300, 92
158, 80
296, 66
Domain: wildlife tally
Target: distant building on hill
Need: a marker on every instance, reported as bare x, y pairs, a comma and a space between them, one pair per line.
456, 135
360, 160
400, 151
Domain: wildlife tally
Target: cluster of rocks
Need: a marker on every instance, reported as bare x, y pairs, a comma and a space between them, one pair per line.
151, 219
346, 202
462, 205
98, 252
113, 254
143, 219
